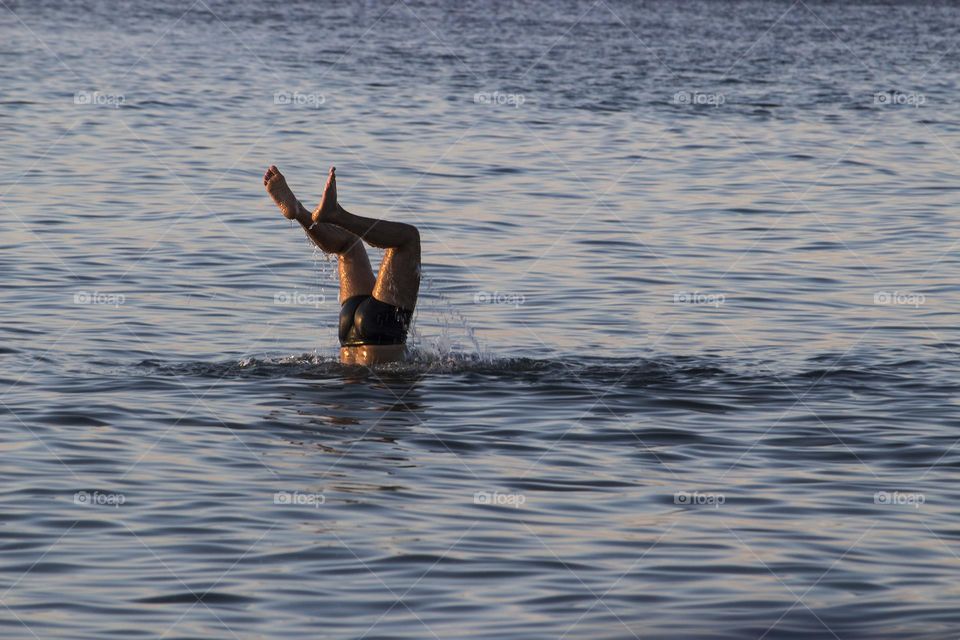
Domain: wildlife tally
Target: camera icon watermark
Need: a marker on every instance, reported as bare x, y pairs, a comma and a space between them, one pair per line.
698, 499
99, 499
699, 98
699, 297
99, 297
299, 499
899, 499
901, 298
512, 298
498, 98
299, 99
497, 499
299, 298
900, 98
99, 99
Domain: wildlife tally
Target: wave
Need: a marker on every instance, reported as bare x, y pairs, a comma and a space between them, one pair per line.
714, 371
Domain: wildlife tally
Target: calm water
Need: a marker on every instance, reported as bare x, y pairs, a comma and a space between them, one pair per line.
687, 343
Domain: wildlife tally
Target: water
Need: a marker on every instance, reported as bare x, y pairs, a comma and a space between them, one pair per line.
689, 320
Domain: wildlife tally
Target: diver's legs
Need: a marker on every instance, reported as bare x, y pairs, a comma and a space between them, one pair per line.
398, 281
353, 264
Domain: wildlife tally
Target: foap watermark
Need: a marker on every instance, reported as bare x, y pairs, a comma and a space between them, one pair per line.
99, 99
903, 298
99, 499
497, 499
512, 298
299, 99
900, 98
299, 298
699, 98
299, 498
698, 499
899, 499
99, 297
498, 98
699, 297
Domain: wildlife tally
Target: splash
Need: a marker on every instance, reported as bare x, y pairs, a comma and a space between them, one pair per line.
456, 337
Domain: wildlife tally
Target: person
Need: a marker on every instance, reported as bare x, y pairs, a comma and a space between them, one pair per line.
375, 311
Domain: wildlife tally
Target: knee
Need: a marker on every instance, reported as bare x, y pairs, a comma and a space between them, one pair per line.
407, 245
413, 239
352, 250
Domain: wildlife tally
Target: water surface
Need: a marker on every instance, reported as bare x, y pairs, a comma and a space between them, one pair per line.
686, 350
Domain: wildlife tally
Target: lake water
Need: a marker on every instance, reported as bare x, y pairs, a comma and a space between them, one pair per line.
687, 347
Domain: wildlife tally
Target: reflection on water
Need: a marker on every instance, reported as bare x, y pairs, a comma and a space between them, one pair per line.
686, 350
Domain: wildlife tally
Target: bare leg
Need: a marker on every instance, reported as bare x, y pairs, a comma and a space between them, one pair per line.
399, 279
353, 264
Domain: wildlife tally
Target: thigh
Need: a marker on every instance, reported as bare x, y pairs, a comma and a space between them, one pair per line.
399, 279
356, 274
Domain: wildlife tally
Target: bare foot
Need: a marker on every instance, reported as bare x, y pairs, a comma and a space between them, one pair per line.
328, 204
277, 187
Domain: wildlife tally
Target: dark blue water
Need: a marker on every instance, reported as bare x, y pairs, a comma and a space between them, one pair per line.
686, 351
